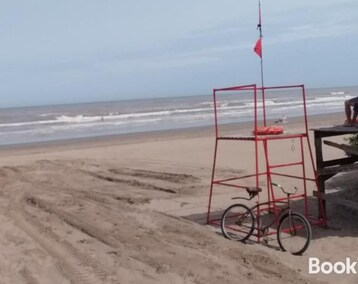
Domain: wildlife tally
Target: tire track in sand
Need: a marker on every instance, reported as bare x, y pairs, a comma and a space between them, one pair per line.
77, 266
74, 221
98, 231
131, 182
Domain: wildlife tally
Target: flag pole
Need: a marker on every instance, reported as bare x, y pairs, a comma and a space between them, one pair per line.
259, 27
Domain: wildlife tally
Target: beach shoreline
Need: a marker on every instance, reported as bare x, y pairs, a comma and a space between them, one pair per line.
319, 120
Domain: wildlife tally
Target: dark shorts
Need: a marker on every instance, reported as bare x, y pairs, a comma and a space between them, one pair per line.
355, 108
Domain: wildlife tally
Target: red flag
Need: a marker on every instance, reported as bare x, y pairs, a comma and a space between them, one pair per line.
257, 47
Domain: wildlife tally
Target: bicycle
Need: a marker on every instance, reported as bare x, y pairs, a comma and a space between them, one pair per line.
293, 232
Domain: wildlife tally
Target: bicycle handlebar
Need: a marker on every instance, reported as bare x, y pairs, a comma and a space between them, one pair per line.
283, 190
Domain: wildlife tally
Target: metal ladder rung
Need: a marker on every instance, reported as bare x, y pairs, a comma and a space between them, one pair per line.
285, 165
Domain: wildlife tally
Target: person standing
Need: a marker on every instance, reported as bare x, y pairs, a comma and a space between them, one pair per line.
348, 104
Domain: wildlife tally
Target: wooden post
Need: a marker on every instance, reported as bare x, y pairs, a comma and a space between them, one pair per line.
321, 180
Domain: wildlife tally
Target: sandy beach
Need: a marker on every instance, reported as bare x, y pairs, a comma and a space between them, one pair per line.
132, 209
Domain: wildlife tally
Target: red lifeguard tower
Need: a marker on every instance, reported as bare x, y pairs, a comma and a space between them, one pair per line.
266, 167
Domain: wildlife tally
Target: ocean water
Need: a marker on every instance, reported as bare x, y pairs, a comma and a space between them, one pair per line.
49, 123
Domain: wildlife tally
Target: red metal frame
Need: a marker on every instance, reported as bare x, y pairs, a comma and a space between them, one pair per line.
265, 142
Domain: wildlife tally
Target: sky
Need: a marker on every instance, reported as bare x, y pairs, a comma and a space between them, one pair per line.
69, 51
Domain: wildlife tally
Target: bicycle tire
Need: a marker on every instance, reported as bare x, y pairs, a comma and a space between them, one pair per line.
300, 233
234, 228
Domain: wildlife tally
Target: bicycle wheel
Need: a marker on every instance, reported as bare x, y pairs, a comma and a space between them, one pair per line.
237, 222
294, 233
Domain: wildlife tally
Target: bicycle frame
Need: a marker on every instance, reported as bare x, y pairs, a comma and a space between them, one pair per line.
256, 208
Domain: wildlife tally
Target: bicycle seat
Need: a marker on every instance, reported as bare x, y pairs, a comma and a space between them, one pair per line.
253, 190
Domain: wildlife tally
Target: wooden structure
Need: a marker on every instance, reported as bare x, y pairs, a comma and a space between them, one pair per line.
327, 169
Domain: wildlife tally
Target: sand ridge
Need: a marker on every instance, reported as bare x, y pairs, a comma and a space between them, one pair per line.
87, 229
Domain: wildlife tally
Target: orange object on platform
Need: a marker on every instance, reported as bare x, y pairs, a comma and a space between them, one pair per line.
268, 130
